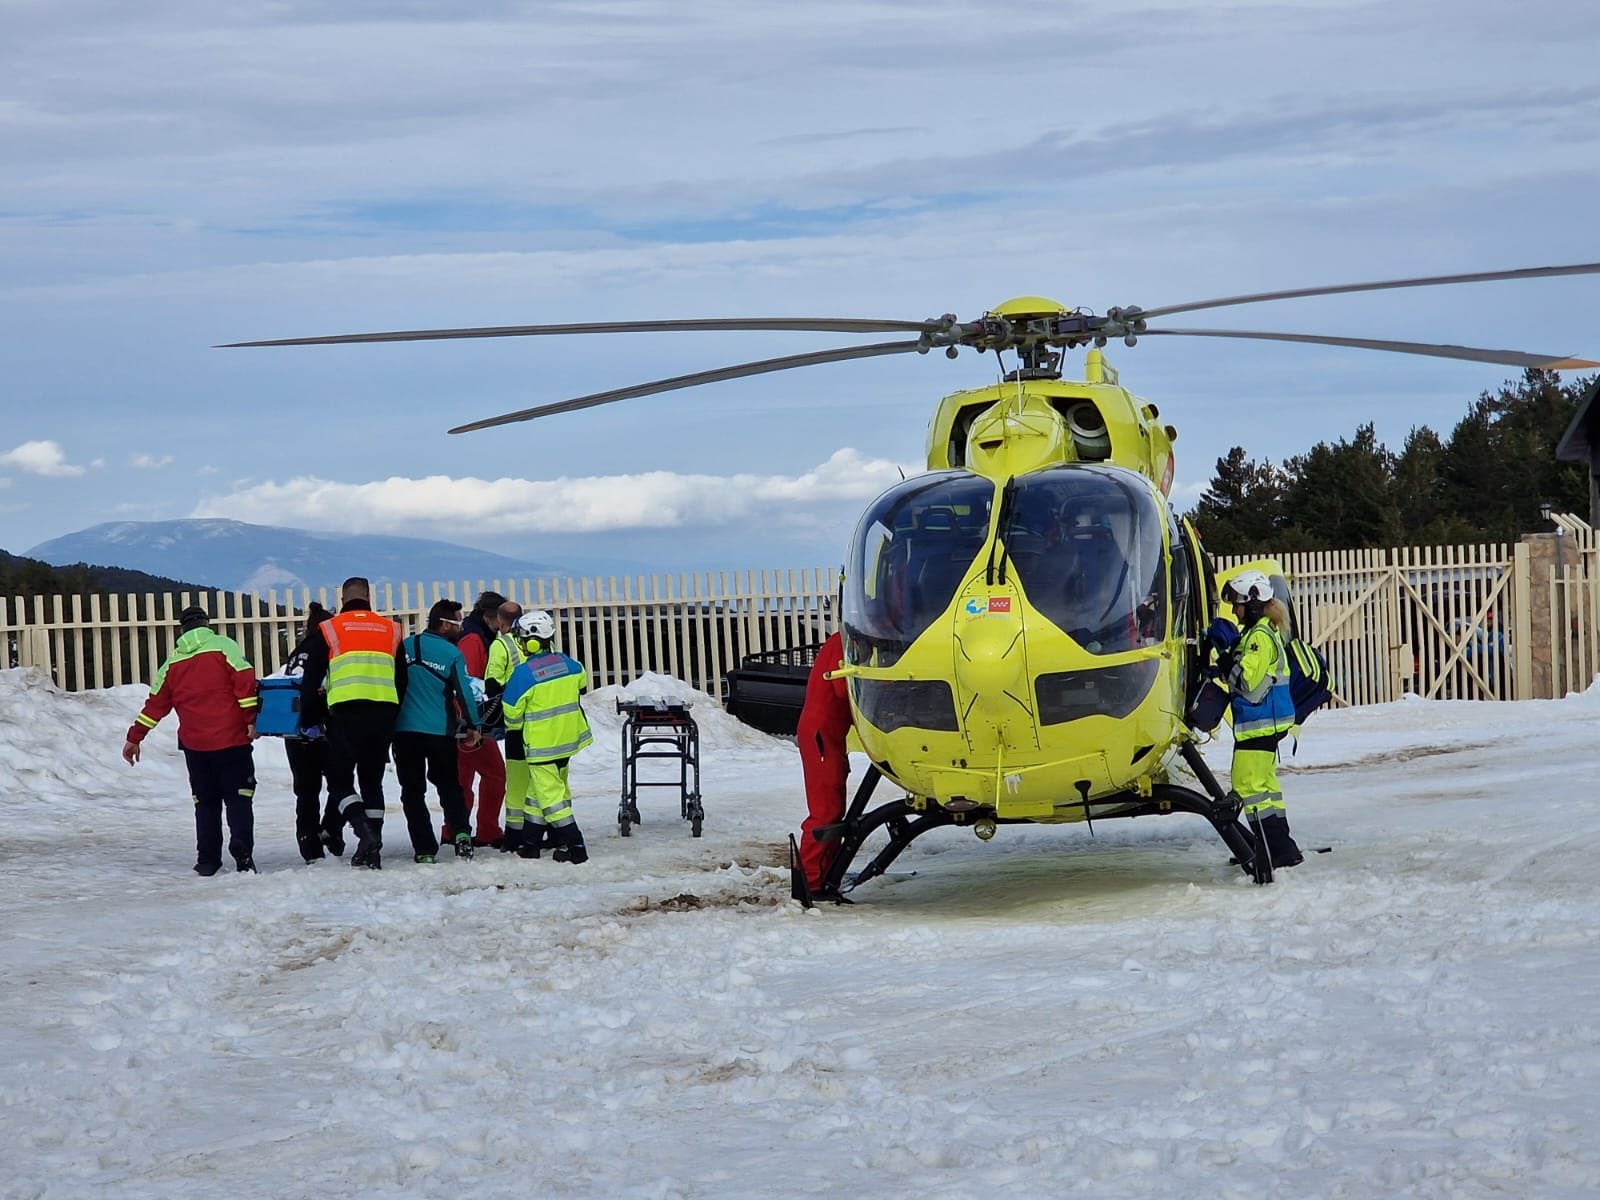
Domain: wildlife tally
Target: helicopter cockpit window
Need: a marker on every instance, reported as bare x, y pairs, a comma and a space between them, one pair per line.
912, 550
1086, 544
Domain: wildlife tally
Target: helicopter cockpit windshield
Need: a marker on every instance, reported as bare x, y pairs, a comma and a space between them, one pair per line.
1085, 542
912, 550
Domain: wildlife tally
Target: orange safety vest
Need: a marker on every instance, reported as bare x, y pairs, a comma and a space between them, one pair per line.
361, 649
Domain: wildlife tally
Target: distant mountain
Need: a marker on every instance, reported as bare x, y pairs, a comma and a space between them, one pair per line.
236, 557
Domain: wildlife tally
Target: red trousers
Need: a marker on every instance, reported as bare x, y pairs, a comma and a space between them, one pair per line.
486, 764
826, 765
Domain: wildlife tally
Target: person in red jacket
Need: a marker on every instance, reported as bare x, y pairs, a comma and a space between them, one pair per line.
824, 725
484, 763
212, 687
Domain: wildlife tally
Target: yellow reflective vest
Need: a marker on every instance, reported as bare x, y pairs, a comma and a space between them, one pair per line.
541, 699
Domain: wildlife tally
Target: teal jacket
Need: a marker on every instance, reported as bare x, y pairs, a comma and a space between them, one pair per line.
429, 674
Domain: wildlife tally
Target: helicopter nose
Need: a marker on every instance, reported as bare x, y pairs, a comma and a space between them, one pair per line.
990, 666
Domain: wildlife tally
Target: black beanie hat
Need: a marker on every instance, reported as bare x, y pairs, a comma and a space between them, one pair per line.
192, 618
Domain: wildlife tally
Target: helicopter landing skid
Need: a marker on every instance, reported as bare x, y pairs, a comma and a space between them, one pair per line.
905, 824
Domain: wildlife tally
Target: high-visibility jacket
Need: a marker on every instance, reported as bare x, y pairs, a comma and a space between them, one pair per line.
1259, 682
505, 656
541, 699
211, 684
361, 657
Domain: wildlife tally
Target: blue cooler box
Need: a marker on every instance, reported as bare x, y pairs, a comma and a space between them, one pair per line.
279, 711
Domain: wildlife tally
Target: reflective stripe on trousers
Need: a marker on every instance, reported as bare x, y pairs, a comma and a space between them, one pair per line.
549, 794
1255, 778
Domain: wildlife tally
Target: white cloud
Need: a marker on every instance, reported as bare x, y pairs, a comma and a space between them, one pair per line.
149, 462
41, 458
595, 504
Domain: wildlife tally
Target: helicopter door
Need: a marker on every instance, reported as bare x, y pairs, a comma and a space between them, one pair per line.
1200, 607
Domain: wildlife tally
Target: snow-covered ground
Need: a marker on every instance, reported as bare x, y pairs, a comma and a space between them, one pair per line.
1048, 1014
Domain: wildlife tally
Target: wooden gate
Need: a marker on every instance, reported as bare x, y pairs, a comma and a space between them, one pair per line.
1439, 622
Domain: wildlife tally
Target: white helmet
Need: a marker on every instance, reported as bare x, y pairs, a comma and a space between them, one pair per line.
536, 624
1249, 585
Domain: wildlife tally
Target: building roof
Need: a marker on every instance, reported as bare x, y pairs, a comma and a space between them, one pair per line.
1582, 438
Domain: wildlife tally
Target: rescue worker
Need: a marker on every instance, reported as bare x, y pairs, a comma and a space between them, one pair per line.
355, 656
435, 695
1256, 672
824, 761
483, 763
317, 830
542, 703
505, 655
212, 687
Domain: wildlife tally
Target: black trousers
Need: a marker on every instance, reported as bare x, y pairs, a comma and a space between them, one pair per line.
308, 765
359, 732
420, 759
222, 780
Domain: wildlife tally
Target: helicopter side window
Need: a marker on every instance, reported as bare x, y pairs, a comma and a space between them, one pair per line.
912, 550
1086, 544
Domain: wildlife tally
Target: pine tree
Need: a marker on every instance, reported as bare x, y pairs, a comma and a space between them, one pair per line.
1341, 495
1241, 509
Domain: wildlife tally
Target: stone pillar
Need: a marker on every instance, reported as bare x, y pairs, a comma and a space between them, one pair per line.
1544, 551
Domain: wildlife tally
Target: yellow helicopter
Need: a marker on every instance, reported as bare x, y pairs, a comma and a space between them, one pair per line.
1024, 624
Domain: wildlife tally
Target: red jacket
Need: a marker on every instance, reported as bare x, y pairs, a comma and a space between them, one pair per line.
211, 684
827, 706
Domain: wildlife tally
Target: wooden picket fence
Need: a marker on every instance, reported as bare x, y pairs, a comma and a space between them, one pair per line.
1452, 622
691, 627
1573, 613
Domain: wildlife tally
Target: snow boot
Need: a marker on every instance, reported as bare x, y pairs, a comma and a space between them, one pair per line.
569, 847
1281, 846
311, 847
207, 869
463, 845
369, 843
533, 840
245, 865
424, 859
511, 839
333, 833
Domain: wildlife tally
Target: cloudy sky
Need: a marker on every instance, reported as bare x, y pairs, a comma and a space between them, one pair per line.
181, 174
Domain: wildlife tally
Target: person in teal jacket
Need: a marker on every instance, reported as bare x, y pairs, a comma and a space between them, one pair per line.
1256, 672
436, 707
541, 701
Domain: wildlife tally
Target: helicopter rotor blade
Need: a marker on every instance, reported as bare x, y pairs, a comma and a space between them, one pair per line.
738, 371
1382, 285
711, 324
1510, 358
